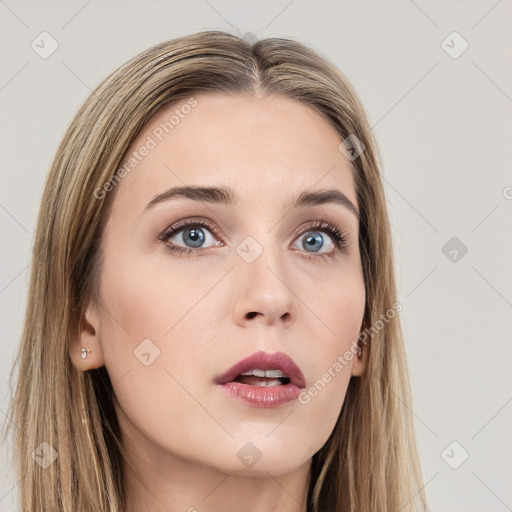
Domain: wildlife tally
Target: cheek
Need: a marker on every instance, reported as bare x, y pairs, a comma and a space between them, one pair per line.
151, 300
346, 314
330, 358
149, 359
339, 306
154, 323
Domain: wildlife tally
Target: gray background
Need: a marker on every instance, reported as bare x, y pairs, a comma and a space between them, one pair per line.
444, 126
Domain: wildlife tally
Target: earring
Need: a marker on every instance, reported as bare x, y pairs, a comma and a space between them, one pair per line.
85, 353
359, 352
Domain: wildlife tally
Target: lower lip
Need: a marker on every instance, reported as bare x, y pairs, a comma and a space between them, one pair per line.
262, 396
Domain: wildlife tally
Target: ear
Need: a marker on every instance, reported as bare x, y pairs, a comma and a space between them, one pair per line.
360, 360
87, 335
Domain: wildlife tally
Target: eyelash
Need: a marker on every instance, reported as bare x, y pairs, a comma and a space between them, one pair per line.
337, 235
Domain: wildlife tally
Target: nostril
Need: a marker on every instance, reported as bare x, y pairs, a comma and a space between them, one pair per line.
252, 314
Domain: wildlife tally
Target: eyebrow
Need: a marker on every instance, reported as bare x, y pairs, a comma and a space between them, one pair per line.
228, 196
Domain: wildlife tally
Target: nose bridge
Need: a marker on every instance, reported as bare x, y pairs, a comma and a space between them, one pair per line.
261, 287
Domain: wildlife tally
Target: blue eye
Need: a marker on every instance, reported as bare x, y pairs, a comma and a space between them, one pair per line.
196, 234
314, 241
192, 234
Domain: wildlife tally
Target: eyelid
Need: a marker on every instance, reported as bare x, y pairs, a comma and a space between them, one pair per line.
191, 221
320, 225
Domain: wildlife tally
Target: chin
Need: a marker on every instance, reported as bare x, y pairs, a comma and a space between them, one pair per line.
261, 458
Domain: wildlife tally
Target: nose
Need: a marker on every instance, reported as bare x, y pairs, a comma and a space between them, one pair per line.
262, 292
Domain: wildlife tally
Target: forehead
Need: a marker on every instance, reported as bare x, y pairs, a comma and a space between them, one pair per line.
267, 148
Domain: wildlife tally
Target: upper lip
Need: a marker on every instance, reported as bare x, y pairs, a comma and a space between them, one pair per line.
265, 361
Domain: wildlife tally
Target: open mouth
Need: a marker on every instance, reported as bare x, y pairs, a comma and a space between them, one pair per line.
263, 378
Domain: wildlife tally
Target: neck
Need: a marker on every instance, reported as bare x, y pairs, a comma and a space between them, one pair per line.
159, 481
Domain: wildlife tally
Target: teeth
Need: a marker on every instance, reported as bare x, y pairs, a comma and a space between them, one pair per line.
268, 383
271, 374
274, 374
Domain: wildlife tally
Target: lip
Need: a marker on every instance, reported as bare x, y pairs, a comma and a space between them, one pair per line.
263, 396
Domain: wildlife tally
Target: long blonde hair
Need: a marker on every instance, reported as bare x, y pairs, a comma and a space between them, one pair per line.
370, 462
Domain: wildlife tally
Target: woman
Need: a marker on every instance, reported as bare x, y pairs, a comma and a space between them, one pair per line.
211, 320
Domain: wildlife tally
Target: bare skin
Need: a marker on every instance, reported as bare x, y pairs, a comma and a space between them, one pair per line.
207, 310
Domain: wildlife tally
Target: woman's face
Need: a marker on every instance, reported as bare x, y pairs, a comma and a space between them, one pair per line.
259, 276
